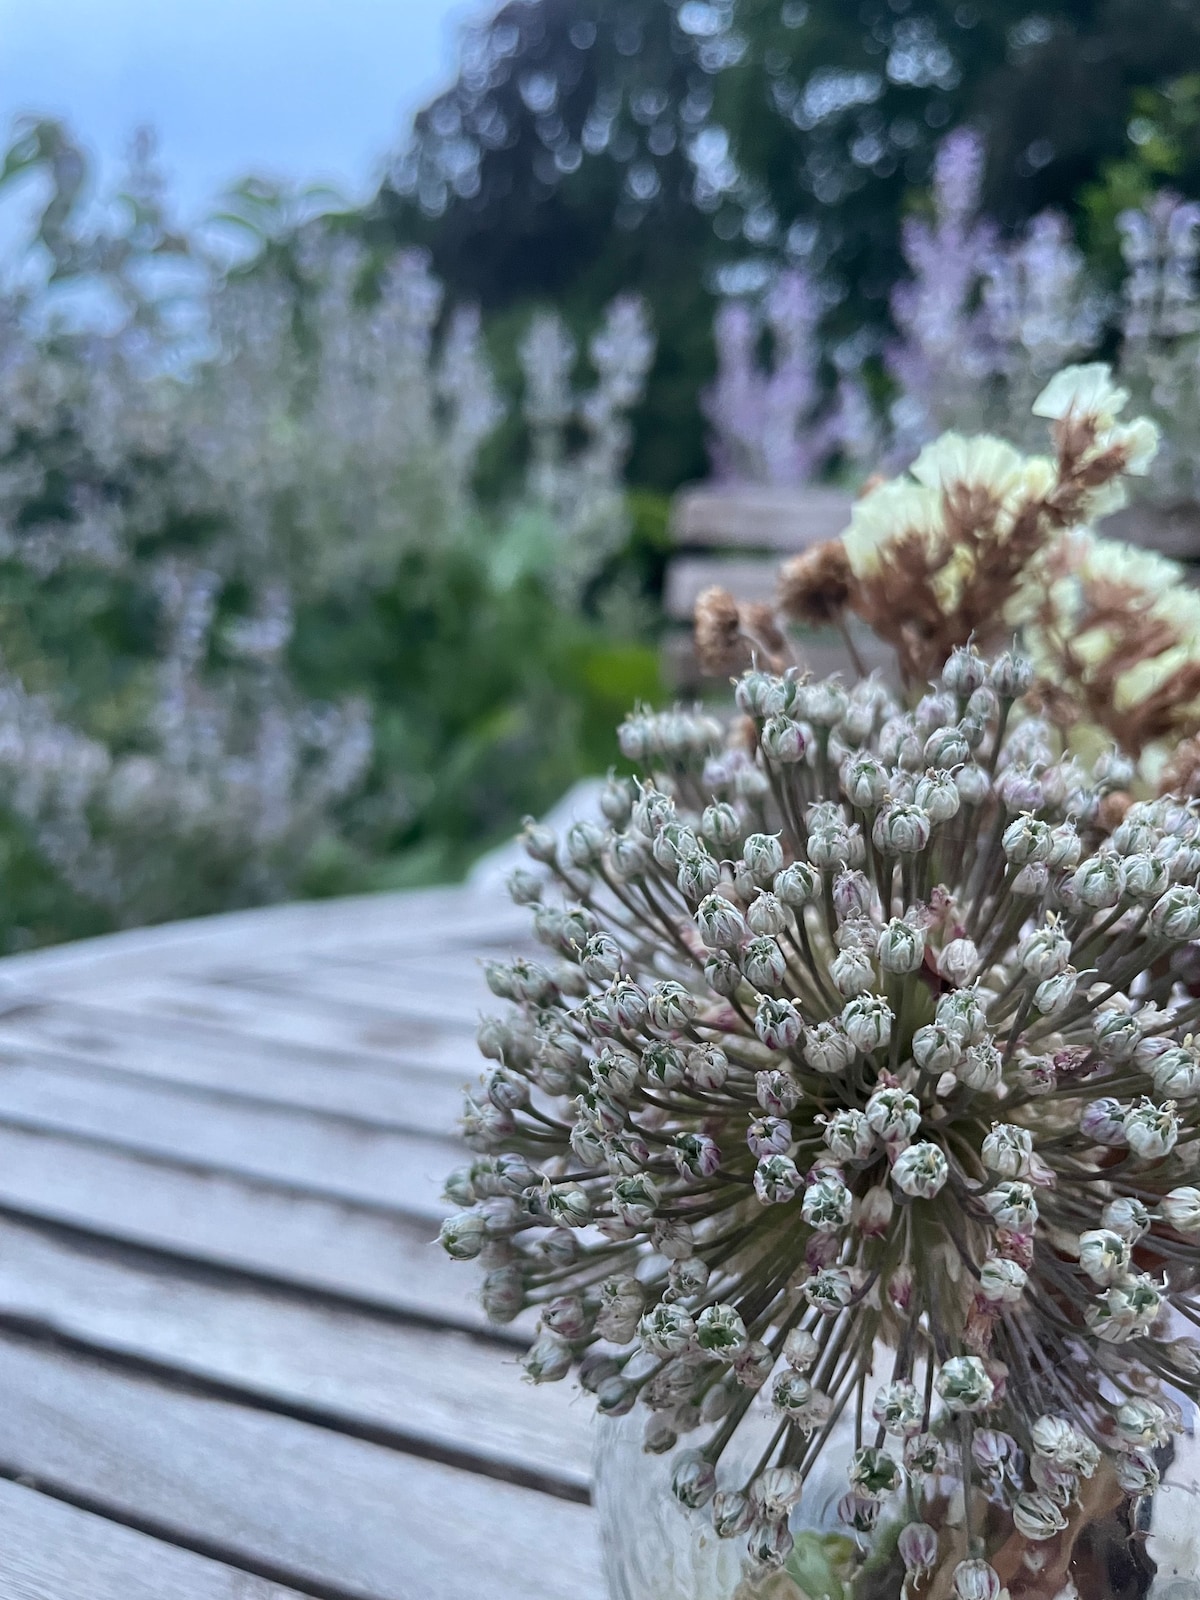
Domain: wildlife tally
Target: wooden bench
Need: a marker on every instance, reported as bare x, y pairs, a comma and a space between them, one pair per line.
233, 1365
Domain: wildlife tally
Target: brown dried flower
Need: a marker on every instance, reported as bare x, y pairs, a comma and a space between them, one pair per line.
814, 587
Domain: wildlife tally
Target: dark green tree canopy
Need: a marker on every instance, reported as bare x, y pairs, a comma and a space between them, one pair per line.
683, 146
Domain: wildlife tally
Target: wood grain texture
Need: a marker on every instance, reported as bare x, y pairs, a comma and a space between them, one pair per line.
777, 519
237, 1222
410, 1097
426, 1386
52, 1551
303, 1501
312, 1152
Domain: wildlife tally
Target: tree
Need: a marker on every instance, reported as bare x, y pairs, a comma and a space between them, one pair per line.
687, 147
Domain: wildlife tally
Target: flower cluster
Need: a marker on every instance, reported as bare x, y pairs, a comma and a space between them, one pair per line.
857, 1097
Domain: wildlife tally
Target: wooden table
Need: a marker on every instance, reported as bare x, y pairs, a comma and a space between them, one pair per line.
232, 1364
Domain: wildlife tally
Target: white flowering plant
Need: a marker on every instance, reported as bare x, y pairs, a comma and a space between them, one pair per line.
854, 1108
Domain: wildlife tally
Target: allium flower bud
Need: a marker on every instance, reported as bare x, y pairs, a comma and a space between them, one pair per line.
1126, 1310
827, 1048
1146, 878
666, 1330
1177, 1074
1180, 1209
848, 1135
462, 1236
791, 1394
784, 740
540, 843
832, 1289
722, 973
687, 1279
1045, 952
827, 1205
873, 1473
584, 843
1152, 1131
938, 796
1012, 1205
1065, 847
946, 748
964, 1384
776, 1180
720, 825
894, 1114
1116, 1033
852, 970
502, 1294
753, 1367
721, 924
898, 1409
1007, 1149
1053, 996
1056, 1440
1104, 1121
671, 1007
797, 884
694, 1481
901, 830
636, 1199
766, 916
707, 1066
1037, 1516
864, 781
828, 846
973, 785
695, 1155
1002, 1281
1026, 840
776, 1091
1137, 1473
629, 856
698, 875
764, 963
858, 1511
1176, 916
800, 1350
976, 1580
777, 1023
936, 1049
1143, 1424
1126, 1216
547, 1360
963, 1015
732, 1513
770, 1544
918, 1546
1104, 1255
626, 1005
901, 947
615, 1397
958, 960
763, 856
867, 1021
721, 1331
921, 1171
925, 1456
1099, 881
965, 671
873, 1215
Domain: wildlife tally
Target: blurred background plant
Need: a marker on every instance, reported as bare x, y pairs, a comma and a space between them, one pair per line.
260, 635
332, 537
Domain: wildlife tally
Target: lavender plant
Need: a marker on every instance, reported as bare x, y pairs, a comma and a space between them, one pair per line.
855, 1101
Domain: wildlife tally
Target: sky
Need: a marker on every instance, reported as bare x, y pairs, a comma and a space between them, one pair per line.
310, 90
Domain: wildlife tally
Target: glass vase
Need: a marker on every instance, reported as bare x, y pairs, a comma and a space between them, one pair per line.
655, 1550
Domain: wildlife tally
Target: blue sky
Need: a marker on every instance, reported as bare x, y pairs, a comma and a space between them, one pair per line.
303, 89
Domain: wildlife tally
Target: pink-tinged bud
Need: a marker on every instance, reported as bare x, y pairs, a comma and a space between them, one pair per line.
918, 1546
900, 1288
875, 1212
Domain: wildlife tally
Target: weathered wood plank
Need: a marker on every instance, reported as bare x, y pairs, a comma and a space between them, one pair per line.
457, 917
313, 1152
445, 1390
313, 1507
289, 1018
746, 577
230, 1221
413, 1098
53, 1551
777, 519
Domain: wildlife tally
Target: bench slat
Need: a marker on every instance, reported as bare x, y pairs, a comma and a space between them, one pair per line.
296, 1502
418, 1383
54, 1551
759, 517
